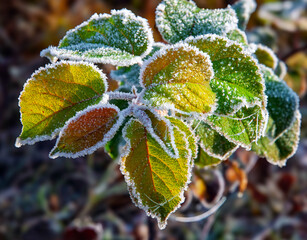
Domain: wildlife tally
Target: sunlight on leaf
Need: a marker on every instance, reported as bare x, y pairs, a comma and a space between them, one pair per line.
178, 77
54, 94
237, 35
87, 131
156, 181
237, 80
266, 56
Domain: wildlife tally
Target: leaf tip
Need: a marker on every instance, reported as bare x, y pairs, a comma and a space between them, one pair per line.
18, 142
47, 53
54, 153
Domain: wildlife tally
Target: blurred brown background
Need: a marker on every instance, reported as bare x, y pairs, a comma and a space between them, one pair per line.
42, 199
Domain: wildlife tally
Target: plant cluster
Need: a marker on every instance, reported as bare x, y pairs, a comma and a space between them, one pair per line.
194, 100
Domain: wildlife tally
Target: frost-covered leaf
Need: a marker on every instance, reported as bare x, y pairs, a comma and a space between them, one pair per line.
89, 130
284, 147
237, 80
182, 126
281, 69
54, 94
120, 38
212, 142
175, 19
205, 160
243, 127
244, 9
266, 56
178, 19
158, 127
214, 21
156, 180
282, 104
130, 76
178, 77
237, 35
127, 76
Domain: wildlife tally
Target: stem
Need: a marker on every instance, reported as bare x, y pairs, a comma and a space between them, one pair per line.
121, 96
294, 51
203, 215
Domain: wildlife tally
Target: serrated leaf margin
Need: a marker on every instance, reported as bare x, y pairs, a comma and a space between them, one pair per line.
100, 144
31, 141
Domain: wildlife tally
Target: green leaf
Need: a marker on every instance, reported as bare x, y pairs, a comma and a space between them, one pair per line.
89, 130
281, 69
178, 77
244, 9
237, 35
178, 19
120, 38
243, 127
205, 160
214, 21
266, 56
182, 126
54, 94
282, 104
283, 148
237, 80
158, 127
212, 142
156, 180
127, 76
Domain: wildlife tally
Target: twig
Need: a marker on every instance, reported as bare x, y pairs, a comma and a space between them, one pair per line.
294, 51
203, 215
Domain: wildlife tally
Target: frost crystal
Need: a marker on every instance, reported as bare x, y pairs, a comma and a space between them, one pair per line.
120, 38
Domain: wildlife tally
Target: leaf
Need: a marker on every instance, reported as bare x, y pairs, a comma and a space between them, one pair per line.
120, 38
130, 76
237, 80
205, 160
237, 35
114, 146
182, 126
283, 148
158, 127
213, 143
127, 76
54, 94
281, 69
178, 19
243, 127
282, 104
266, 56
175, 19
156, 180
214, 21
87, 131
244, 9
177, 77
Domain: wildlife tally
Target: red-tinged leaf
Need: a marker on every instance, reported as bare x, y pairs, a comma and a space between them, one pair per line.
88, 131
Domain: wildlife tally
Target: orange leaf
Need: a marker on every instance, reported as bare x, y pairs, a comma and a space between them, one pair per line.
88, 131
